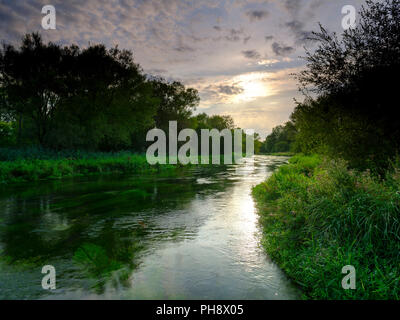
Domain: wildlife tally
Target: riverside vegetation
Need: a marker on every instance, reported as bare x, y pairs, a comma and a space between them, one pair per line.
338, 203
318, 216
53, 165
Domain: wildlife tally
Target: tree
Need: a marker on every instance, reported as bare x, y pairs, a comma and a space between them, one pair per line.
281, 139
340, 63
355, 79
176, 103
32, 80
93, 98
109, 101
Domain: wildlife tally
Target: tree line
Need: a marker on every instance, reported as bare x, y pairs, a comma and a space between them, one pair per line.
90, 98
350, 83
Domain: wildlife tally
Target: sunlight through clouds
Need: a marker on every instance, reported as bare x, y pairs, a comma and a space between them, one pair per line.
253, 85
233, 52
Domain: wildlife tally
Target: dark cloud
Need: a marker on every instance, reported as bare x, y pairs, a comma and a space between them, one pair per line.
269, 38
297, 28
281, 50
184, 48
234, 35
246, 39
251, 54
293, 6
229, 90
256, 15
216, 92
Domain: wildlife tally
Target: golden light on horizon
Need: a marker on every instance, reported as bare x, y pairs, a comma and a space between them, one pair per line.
253, 86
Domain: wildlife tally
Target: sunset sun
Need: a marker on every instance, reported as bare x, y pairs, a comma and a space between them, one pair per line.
253, 86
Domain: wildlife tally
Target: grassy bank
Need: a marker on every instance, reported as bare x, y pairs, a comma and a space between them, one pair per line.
319, 216
33, 170
279, 154
33, 164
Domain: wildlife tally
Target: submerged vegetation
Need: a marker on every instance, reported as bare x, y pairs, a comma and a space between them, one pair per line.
319, 216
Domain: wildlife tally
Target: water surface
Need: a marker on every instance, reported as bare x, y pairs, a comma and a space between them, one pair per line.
192, 235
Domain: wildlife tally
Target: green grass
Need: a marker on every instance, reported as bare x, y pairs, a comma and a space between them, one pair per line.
280, 154
25, 170
319, 216
39, 153
35, 164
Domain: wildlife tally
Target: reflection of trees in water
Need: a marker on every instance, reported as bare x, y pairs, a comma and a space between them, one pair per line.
102, 225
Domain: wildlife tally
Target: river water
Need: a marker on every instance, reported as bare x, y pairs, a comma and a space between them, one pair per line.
192, 235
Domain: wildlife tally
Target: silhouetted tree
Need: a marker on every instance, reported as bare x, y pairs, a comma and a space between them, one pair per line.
355, 77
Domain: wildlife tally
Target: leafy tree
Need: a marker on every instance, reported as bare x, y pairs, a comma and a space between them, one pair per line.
176, 103
109, 101
282, 139
31, 81
354, 115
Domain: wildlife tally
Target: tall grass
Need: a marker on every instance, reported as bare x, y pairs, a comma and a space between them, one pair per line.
24, 170
319, 216
39, 153
34, 163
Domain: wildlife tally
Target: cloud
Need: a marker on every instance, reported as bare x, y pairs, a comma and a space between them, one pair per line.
229, 90
256, 15
156, 71
234, 35
297, 28
246, 39
268, 38
184, 48
251, 54
220, 92
281, 50
293, 6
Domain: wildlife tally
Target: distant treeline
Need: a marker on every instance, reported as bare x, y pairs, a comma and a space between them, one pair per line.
351, 109
94, 98
282, 139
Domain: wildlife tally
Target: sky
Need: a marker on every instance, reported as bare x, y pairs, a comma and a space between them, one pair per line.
239, 54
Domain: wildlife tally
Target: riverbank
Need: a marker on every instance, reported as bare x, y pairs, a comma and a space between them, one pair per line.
318, 216
62, 166
33, 164
279, 154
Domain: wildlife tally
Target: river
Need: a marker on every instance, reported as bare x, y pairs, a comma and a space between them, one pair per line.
191, 235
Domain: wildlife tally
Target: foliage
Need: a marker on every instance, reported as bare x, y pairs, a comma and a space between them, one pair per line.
92, 98
282, 139
56, 168
7, 133
319, 216
354, 115
176, 103
40, 153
